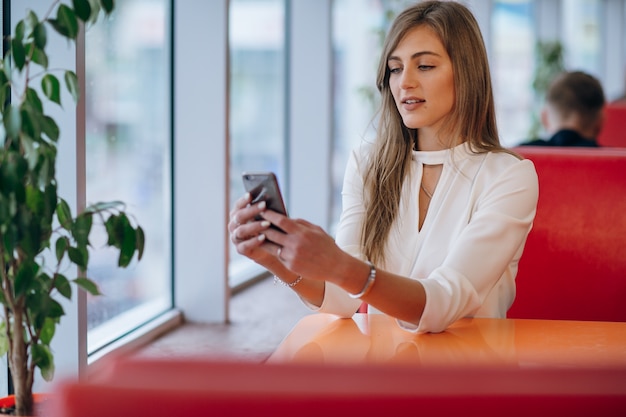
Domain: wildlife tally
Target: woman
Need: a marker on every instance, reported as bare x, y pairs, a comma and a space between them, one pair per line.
435, 212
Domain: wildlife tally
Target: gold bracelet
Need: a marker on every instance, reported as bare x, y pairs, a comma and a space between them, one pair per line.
368, 284
287, 284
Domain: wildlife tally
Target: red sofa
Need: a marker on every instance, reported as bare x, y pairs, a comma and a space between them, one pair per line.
613, 132
195, 388
574, 262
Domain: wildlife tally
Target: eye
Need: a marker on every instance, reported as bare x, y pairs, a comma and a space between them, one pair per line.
395, 70
425, 67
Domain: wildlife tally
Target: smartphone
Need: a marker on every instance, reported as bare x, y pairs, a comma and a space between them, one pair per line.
264, 186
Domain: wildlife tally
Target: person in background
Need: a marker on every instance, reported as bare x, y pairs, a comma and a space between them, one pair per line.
435, 211
573, 114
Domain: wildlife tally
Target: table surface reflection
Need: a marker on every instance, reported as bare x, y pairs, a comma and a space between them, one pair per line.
376, 338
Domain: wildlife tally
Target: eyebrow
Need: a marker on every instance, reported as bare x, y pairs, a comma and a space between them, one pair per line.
415, 55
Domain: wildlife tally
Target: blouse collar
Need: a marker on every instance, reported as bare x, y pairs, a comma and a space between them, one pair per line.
459, 152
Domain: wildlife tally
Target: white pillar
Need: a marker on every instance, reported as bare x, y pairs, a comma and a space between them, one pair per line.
201, 159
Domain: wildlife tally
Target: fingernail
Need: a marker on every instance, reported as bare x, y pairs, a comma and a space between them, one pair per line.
262, 205
265, 223
261, 237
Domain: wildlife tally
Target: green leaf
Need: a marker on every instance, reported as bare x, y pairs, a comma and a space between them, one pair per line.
141, 240
81, 229
30, 127
103, 206
25, 276
50, 128
20, 29
61, 246
82, 9
67, 20
78, 257
30, 23
51, 198
33, 240
62, 284
32, 98
30, 152
71, 82
40, 36
35, 200
19, 53
4, 87
111, 225
95, 11
43, 359
12, 121
40, 57
51, 88
128, 246
107, 5
47, 331
52, 309
64, 215
88, 285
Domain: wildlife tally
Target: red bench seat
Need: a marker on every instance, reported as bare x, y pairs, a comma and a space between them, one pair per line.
574, 262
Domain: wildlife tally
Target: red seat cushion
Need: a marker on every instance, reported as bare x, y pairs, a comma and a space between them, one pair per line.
574, 262
613, 132
198, 388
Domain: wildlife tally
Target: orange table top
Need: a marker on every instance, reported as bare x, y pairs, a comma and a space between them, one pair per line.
376, 338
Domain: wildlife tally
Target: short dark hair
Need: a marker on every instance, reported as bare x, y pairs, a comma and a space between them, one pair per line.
576, 92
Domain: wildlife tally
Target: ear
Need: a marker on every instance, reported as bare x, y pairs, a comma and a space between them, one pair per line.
599, 123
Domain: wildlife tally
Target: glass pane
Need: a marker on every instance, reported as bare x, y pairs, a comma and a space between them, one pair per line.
512, 62
257, 100
128, 159
357, 47
581, 37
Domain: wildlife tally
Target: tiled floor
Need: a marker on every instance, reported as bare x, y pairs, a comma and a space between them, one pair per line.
261, 316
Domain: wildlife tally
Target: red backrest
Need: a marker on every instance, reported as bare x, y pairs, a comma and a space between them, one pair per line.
574, 262
613, 132
195, 388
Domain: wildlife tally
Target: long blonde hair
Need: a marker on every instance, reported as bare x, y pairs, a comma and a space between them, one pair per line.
472, 117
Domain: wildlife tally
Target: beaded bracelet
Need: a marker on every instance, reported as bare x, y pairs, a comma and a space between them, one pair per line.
368, 284
287, 284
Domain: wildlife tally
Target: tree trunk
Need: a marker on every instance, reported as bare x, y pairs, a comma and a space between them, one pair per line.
18, 362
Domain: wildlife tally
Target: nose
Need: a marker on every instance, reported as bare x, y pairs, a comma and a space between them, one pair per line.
408, 79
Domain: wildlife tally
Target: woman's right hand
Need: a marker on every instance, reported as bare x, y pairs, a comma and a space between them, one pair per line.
247, 233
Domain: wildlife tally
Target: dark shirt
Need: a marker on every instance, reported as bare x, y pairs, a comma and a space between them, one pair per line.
563, 138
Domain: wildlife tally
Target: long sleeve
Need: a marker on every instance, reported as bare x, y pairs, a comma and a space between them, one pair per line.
466, 253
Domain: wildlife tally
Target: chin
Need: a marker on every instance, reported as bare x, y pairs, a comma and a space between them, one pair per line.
412, 124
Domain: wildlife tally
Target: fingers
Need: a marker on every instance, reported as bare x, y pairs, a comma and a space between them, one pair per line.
242, 202
242, 215
249, 231
279, 220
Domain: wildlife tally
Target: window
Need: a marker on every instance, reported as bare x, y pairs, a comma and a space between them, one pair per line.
512, 63
581, 35
128, 133
257, 101
357, 48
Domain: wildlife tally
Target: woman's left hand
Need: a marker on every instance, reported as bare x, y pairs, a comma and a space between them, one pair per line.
304, 248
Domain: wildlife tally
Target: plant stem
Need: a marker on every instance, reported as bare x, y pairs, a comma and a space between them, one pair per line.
18, 361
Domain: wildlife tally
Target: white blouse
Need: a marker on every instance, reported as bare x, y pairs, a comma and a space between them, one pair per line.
468, 249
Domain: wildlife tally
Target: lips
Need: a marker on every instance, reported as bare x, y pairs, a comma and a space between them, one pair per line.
411, 103
412, 100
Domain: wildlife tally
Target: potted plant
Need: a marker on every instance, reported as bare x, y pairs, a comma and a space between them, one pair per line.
44, 247
548, 63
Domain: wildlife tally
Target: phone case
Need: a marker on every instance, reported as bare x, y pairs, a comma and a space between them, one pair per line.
264, 186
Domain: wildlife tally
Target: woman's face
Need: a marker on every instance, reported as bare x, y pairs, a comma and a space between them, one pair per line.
421, 81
